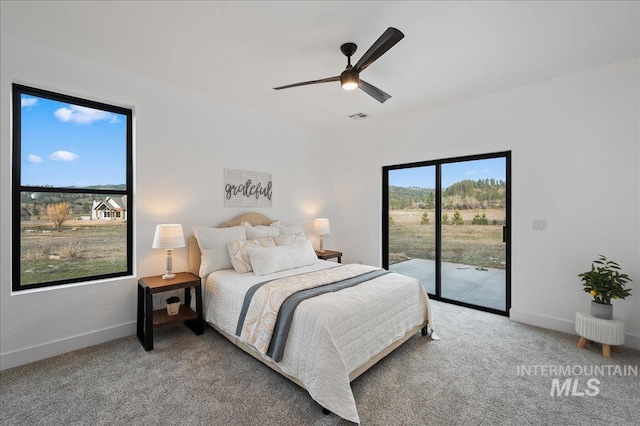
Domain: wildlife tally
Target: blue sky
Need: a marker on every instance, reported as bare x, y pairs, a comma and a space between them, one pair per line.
67, 145
424, 177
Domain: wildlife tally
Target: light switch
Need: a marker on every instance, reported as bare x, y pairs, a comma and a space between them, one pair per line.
539, 224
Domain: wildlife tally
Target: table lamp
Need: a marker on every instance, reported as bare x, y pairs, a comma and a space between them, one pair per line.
321, 226
168, 236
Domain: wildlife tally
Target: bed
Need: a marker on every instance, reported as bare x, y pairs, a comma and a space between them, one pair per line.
331, 338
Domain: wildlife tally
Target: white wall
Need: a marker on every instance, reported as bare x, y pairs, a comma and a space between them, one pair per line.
183, 142
575, 160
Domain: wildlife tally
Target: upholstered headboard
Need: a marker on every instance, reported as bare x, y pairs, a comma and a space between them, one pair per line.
254, 218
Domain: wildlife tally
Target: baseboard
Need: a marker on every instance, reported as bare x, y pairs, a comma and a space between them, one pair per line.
565, 326
62, 346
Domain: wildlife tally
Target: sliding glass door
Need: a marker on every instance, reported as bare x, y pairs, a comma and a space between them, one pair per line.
474, 213
412, 224
446, 223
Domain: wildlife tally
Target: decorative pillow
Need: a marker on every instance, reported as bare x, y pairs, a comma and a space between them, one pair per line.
213, 246
238, 252
287, 240
287, 229
267, 260
260, 231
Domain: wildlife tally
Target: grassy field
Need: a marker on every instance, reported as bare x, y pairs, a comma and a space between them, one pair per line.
475, 245
82, 249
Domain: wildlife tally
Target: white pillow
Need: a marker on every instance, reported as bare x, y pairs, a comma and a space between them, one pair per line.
267, 260
238, 252
287, 229
213, 246
287, 240
260, 231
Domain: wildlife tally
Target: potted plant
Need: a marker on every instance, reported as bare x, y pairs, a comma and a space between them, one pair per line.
604, 282
173, 305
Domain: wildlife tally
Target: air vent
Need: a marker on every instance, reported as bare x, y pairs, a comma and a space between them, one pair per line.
359, 116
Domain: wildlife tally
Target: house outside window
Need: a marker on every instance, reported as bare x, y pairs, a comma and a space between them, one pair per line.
69, 223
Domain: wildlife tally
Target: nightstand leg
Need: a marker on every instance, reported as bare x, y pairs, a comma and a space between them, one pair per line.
187, 296
140, 315
197, 325
148, 321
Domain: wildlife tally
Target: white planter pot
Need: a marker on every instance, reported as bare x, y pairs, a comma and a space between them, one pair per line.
173, 308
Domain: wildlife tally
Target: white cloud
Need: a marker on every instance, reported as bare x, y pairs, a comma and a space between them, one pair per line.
28, 102
34, 159
64, 156
83, 115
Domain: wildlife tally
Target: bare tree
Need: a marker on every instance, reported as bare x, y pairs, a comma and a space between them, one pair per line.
58, 213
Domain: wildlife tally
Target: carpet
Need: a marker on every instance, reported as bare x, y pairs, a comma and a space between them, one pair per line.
485, 369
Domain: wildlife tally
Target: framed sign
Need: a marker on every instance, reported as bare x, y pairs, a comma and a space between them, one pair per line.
247, 189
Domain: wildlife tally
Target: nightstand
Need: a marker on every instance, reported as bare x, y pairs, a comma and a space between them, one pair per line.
329, 254
148, 319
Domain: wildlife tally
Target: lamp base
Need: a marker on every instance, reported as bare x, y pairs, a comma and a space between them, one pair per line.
169, 275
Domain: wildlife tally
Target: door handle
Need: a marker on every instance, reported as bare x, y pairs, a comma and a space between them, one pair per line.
504, 234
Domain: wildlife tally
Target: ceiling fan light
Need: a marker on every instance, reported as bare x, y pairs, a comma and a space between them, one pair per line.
349, 80
350, 85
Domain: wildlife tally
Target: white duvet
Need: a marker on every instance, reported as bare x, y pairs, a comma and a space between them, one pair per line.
330, 335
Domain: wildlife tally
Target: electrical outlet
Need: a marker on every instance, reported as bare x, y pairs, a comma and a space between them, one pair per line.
539, 224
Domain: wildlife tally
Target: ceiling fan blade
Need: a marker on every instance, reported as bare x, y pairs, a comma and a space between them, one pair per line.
374, 92
387, 40
305, 83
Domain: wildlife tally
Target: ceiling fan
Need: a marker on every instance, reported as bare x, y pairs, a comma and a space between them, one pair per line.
350, 77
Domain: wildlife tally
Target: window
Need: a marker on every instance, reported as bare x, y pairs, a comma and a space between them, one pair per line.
72, 166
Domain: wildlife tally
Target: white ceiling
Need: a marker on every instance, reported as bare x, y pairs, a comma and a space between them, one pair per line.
239, 51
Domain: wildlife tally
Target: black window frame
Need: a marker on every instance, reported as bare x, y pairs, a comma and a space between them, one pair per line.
17, 188
438, 237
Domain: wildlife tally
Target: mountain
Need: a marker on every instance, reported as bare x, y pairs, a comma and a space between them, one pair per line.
466, 194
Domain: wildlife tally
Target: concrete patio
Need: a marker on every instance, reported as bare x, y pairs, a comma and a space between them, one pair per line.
483, 287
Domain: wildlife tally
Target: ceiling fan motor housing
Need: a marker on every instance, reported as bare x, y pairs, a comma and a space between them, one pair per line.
349, 79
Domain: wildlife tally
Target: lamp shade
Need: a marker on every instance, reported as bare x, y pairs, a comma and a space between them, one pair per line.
321, 226
168, 236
